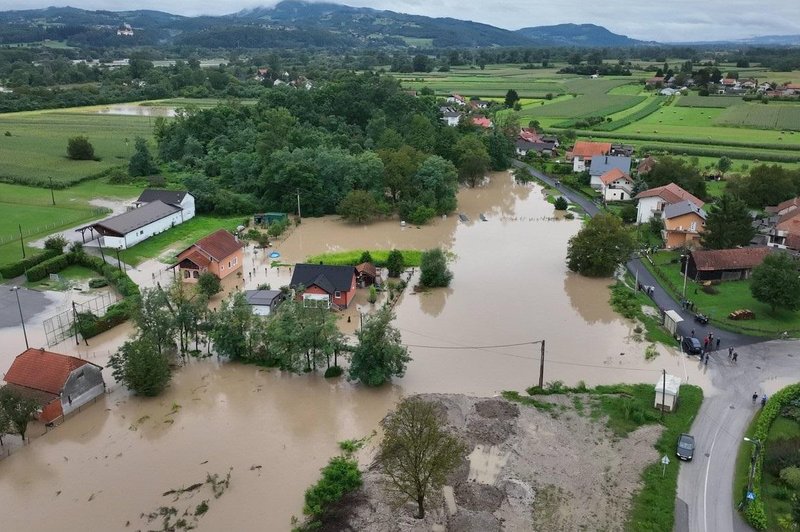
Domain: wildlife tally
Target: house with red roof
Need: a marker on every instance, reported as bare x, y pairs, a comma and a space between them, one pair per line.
482, 121
61, 384
583, 151
652, 201
725, 264
219, 253
616, 185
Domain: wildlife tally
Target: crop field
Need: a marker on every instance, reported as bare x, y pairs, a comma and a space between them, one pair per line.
37, 145
693, 100
782, 117
587, 105
486, 87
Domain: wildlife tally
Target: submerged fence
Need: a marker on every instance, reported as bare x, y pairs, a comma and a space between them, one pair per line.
61, 326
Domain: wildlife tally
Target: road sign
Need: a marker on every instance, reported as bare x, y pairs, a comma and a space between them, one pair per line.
665, 460
751, 496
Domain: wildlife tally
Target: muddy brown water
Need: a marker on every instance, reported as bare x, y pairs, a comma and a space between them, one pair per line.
109, 463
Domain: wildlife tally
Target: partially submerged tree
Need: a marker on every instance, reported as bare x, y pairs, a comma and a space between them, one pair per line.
473, 160
599, 246
358, 206
416, 452
18, 410
232, 326
154, 318
209, 284
140, 366
395, 263
775, 282
728, 224
433, 269
379, 355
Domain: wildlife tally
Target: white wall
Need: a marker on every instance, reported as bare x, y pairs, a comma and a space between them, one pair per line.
578, 165
596, 182
188, 207
261, 310
646, 207
143, 233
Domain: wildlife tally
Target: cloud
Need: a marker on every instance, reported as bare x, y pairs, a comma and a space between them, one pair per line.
665, 21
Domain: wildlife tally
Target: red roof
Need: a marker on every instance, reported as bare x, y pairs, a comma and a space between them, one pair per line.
612, 175
217, 246
196, 257
42, 370
729, 259
794, 202
588, 149
646, 165
530, 135
795, 86
368, 268
481, 121
671, 193
729, 81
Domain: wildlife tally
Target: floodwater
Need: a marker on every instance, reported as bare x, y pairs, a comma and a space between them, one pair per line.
109, 463
133, 109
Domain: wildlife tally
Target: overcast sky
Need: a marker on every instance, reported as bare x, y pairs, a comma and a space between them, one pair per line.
660, 20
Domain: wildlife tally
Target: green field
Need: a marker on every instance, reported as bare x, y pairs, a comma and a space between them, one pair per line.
693, 100
36, 147
756, 115
165, 245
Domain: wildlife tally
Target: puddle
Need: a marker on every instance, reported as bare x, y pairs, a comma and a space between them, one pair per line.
485, 464
510, 286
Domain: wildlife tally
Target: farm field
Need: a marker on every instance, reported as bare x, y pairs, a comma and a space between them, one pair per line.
783, 117
693, 100
36, 148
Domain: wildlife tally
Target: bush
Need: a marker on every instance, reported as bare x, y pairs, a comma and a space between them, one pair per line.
421, 215
791, 477
52, 265
333, 371
339, 477
561, 203
98, 282
56, 243
15, 269
80, 149
781, 454
433, 269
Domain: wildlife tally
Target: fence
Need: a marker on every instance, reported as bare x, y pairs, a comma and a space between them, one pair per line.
61, 326
51, 227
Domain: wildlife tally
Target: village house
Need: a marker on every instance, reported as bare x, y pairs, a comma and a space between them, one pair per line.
583, 152
176, 198
482, 121
125, 30
652, 201
683, 223
61, 384
616, 185
655, 81
456, 99
450, 116
601, 165
264, 302
522, 147
724, 264
645, 166
219, 253
367, 275
476, 103
324, 285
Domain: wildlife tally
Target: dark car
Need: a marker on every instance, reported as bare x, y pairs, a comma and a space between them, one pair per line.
692, 345
685, 447
702, 319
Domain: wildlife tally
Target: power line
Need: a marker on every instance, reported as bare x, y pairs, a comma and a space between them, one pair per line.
477, 347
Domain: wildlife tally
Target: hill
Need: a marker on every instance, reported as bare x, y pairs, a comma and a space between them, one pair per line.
576, 35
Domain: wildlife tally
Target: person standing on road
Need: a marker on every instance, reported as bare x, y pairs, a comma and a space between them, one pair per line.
735, 356
730, 352
692, 333
718, 341
763, 400
755, 396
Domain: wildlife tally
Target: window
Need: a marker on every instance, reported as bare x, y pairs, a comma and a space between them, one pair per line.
693, 227
229, 264
196, 274
186, 274
235, 260
337, 294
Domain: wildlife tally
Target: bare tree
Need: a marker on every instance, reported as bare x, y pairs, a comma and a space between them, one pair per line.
416, 453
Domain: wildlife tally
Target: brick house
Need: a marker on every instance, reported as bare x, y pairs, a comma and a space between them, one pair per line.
330, 286
683, 224
219, 253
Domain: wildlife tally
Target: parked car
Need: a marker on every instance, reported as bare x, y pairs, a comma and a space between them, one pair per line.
702, 319
685, 447
692, 345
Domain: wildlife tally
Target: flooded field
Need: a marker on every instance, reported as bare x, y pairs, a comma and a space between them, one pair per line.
106, 465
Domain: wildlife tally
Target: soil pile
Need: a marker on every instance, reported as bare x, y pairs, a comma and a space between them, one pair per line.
525, 469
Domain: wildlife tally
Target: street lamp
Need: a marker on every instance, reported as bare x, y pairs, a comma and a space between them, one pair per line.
752, 466
15, 289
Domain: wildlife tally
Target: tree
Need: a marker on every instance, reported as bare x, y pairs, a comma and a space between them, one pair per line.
599, 246
728, 224
5, 423
433, 269
724, 164
439, 178
511, 98
18, 410
209, 284
561, 203
80, 149
416, 453
232, 327
141, 163
155, 319
55, 243
395, 263
775, 282
379, 355
366, 256
141, 367
473, 159
358, 206
673, 170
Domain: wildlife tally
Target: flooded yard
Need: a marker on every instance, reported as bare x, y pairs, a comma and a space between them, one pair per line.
106, 465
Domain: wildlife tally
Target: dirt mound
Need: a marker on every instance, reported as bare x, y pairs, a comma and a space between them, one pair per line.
525, 469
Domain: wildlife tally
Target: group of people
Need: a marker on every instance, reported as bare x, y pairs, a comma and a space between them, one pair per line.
763, 399
688, 305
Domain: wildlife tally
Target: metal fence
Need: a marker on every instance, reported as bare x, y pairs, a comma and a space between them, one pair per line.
61, 326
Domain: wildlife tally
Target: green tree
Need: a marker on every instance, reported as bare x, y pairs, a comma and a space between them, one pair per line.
724, 164
728, 224
141, 367
379, 355
80, 149
433, 269
416, 452
561, 203
188, 308
141, 163
473, 159
302, 337
5, 423
601, 245
17, 409
366, 256
232, 328
55, 243
395, 263
776, 283
511, 98
673, 170
208, 284
358, 206
154, 318
398, 167
439, 178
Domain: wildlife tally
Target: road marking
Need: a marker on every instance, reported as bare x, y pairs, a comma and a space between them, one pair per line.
708, 466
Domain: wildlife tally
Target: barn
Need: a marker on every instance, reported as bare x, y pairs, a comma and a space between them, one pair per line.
725, 264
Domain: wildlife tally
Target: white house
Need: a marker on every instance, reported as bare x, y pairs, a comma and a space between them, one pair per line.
600, 165
176, 198
129, 228
652, 202
450, 116
616, 185
264, 302
456, 99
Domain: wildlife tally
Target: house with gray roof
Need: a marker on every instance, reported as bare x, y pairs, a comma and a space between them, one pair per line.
604, 163
264, 302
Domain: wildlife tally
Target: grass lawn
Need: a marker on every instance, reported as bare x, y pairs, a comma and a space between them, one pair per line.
733, 295
36, 149
176, 239
68, 275
411, 257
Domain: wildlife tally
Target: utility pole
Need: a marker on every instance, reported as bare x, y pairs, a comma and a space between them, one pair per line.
541, 367
21, 243
15, 289
298, 205
663, 391
685, 273
52, 195
119, 262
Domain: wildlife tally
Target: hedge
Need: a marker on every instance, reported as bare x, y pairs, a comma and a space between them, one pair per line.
755, 514
53, 265
91, 325
16, 269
